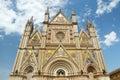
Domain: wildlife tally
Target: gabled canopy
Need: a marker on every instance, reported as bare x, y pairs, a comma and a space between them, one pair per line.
60, 52
60, 18
84, 39
35, 37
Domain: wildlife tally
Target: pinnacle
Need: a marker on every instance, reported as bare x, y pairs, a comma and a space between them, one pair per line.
47, 11
73, 12
31, 19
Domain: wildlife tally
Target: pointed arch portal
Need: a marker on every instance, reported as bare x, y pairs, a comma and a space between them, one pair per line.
60, 66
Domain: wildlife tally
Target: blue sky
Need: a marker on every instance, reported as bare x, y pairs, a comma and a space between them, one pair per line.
105, 15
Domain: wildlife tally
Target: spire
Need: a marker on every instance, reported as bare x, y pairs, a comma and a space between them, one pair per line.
28, 21
73, 13
46, 19
59, 10
91, 29
47, 11
30, 25
31, 19
74, 17
88, 21
89, 24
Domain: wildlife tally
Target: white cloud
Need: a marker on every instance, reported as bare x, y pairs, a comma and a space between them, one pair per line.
1, 36
13, 18
106, 7
87, 13
110, 38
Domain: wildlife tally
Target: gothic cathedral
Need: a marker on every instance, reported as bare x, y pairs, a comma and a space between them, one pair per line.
59, 52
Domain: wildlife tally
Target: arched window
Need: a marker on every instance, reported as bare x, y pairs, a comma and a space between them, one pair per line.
91, 69
60, 72
29, 69
28, 72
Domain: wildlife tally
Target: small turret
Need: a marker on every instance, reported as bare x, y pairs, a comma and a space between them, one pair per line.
31, 19
45, 23
29, 26
89, 24
92, 33
75, 28
27, 32
74, 23
46, 20
74, 17
91, 29
46, 16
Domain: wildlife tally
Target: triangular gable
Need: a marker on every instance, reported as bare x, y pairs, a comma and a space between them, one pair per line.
83, 35
84, 39
60, 52
60, 18
89, 59
29, 58
35, 37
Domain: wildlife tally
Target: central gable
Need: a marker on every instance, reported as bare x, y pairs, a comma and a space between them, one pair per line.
60, 18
